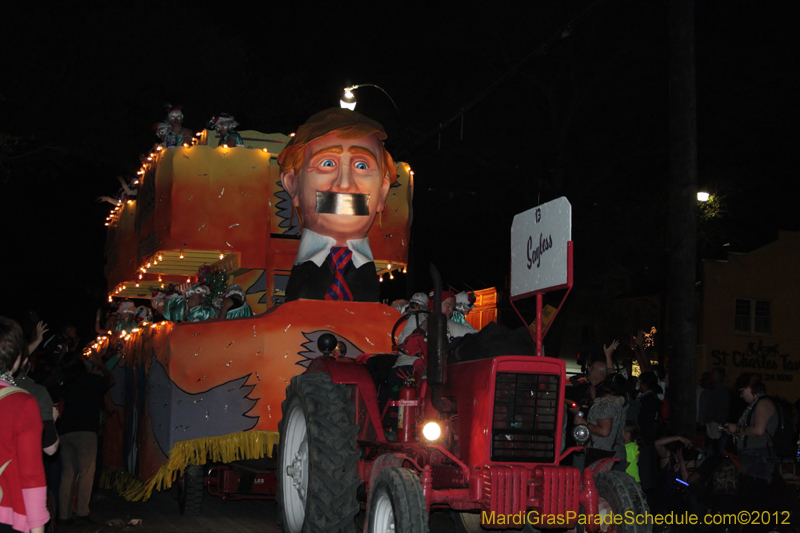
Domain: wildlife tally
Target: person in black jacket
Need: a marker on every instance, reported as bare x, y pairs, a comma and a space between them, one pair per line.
648, 420
338, 174
83, 393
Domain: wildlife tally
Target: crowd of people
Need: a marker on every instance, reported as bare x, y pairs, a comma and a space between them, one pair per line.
66, 384
51, 401
731, 463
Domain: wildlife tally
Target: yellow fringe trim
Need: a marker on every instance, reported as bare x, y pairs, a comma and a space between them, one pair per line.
118, 480
222, 449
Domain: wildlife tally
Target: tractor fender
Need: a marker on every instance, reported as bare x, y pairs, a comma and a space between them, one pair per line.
349, 372
603, 465
387, 460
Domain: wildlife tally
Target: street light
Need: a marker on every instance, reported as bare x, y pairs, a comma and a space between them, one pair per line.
703, 196
348, 99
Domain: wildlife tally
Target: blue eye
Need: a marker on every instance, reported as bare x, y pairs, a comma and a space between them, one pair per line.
361, 166
327, 163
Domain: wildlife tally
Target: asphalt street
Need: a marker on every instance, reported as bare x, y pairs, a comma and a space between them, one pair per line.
160, 515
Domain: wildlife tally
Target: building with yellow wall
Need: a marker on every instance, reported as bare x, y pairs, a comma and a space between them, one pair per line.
750, 315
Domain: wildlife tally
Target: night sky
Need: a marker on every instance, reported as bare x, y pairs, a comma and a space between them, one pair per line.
584, 117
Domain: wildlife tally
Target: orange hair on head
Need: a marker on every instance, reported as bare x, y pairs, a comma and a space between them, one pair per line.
348, 125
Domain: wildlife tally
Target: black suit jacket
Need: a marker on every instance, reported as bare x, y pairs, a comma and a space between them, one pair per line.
310, 281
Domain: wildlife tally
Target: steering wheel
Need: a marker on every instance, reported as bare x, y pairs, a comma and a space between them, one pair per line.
402, 320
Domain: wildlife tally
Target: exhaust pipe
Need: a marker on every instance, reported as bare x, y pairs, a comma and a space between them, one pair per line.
437, 362
437, 372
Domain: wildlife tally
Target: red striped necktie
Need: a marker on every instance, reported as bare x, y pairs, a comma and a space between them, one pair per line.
340, 258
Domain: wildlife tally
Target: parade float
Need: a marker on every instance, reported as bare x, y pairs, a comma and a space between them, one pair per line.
200, 392
483, 436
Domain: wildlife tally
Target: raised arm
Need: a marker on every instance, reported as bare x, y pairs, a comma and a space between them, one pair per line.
41, 329
609, 351
97, 328
112, 201
661, 444
128, 190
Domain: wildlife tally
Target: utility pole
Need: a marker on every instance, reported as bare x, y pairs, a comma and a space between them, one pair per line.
682, 312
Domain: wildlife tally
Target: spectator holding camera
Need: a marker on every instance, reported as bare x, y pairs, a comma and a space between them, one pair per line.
677, 457
677, 460
66, 340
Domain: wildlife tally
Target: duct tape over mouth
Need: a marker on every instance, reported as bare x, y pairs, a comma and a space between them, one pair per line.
342, 203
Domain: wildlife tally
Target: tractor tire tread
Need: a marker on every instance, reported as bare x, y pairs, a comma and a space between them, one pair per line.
333, 454
626, 495
410, 509
192, 491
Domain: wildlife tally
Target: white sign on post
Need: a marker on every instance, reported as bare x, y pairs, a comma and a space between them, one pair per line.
539, 238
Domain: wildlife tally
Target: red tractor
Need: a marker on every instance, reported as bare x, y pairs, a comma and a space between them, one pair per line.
482, 438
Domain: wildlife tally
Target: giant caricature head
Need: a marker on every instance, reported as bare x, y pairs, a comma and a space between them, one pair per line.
338, 173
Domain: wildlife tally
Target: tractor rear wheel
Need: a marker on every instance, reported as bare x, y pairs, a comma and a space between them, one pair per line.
397, 503
619, 493
318, 457
190, 491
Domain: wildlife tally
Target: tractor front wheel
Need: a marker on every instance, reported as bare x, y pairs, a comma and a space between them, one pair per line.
619, 493
317, 458
397, 503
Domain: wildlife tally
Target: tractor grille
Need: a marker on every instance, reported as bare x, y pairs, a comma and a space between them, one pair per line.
524, 422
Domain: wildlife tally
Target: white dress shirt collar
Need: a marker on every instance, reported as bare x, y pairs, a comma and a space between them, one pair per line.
315, 247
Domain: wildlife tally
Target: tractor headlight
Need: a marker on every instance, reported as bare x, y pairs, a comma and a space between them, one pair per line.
432, 431
581, 434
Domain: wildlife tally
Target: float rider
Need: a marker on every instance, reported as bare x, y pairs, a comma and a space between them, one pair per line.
177, 135
234, 303
192, 307
161, 129
224, 124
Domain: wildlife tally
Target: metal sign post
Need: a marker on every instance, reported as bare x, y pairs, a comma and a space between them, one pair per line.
541, 257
